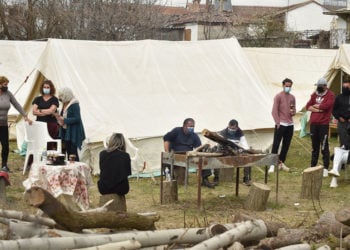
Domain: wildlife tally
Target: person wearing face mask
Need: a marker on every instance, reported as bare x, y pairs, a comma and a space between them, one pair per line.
233, 133
71, 124
6, 99
283, 111
45, 106
341, 112
183, 139
321, 105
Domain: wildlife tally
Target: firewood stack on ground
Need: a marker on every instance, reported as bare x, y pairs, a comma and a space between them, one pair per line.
244, 232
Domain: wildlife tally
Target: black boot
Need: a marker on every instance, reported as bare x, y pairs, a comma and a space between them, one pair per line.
216, 180
206, 183
246, 181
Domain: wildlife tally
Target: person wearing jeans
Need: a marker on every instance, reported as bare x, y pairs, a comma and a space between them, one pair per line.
283, 111
6, 100
321, 106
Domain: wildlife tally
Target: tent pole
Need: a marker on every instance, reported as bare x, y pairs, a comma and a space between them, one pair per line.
341, 80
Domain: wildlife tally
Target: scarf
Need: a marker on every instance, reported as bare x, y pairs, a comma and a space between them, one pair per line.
65, 109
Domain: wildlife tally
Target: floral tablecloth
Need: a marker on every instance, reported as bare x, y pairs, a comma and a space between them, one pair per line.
72, 179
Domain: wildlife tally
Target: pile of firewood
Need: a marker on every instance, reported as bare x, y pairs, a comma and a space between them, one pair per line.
67, 229
225, 146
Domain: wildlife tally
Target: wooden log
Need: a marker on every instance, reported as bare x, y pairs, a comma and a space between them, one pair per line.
75, 221
236, 246
312, 183
2, 189
328, 224
123, 245
179, 175
296, 247
169, 194
21, 229
272, 227
146, 238
118, 203
248, 230
206, 154
11, 214
257, 197
68, 201
343, 216
201, 147
228, 143
226, 174
295, 236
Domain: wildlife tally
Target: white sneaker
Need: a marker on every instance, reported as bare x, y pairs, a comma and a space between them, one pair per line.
333, 172
271, 169
325, 172
282, 166
334, 182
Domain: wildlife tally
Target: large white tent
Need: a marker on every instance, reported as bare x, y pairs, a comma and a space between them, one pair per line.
303, 66
145, 88
339, 68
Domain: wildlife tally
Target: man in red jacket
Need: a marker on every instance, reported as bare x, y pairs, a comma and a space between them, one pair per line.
321, 105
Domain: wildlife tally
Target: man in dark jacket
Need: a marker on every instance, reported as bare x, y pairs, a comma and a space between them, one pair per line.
183, 139
341, 112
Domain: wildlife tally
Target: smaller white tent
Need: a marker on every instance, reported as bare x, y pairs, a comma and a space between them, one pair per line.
145, 88
339, 68
17, 62
303, 66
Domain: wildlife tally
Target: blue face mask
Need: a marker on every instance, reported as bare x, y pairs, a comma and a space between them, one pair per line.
46, 91
287, 89
190, 130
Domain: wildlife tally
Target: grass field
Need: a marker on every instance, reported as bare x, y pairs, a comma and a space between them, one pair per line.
219, 204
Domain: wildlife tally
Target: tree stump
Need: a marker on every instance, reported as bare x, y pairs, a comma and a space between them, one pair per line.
226, 174
169, 194
118, 204
311, 183
257, 197
180, 174
2, 189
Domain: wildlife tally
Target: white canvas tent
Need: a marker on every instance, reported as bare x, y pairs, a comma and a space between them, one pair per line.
145, 88
339, 68
17, 61
303, 66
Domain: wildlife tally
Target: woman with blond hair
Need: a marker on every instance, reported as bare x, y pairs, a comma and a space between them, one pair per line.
6, 99
115, 167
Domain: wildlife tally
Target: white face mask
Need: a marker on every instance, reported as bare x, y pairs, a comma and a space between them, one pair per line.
287, 89
46, 91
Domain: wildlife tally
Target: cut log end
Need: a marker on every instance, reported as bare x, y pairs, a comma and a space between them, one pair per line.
34, 196
257, 197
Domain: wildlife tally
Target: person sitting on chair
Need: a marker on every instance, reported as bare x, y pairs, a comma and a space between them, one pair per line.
183, 139
235, 134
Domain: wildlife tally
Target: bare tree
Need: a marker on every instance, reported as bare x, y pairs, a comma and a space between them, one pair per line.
79, 19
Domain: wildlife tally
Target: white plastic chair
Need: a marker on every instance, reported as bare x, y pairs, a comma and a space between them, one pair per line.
37, 136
